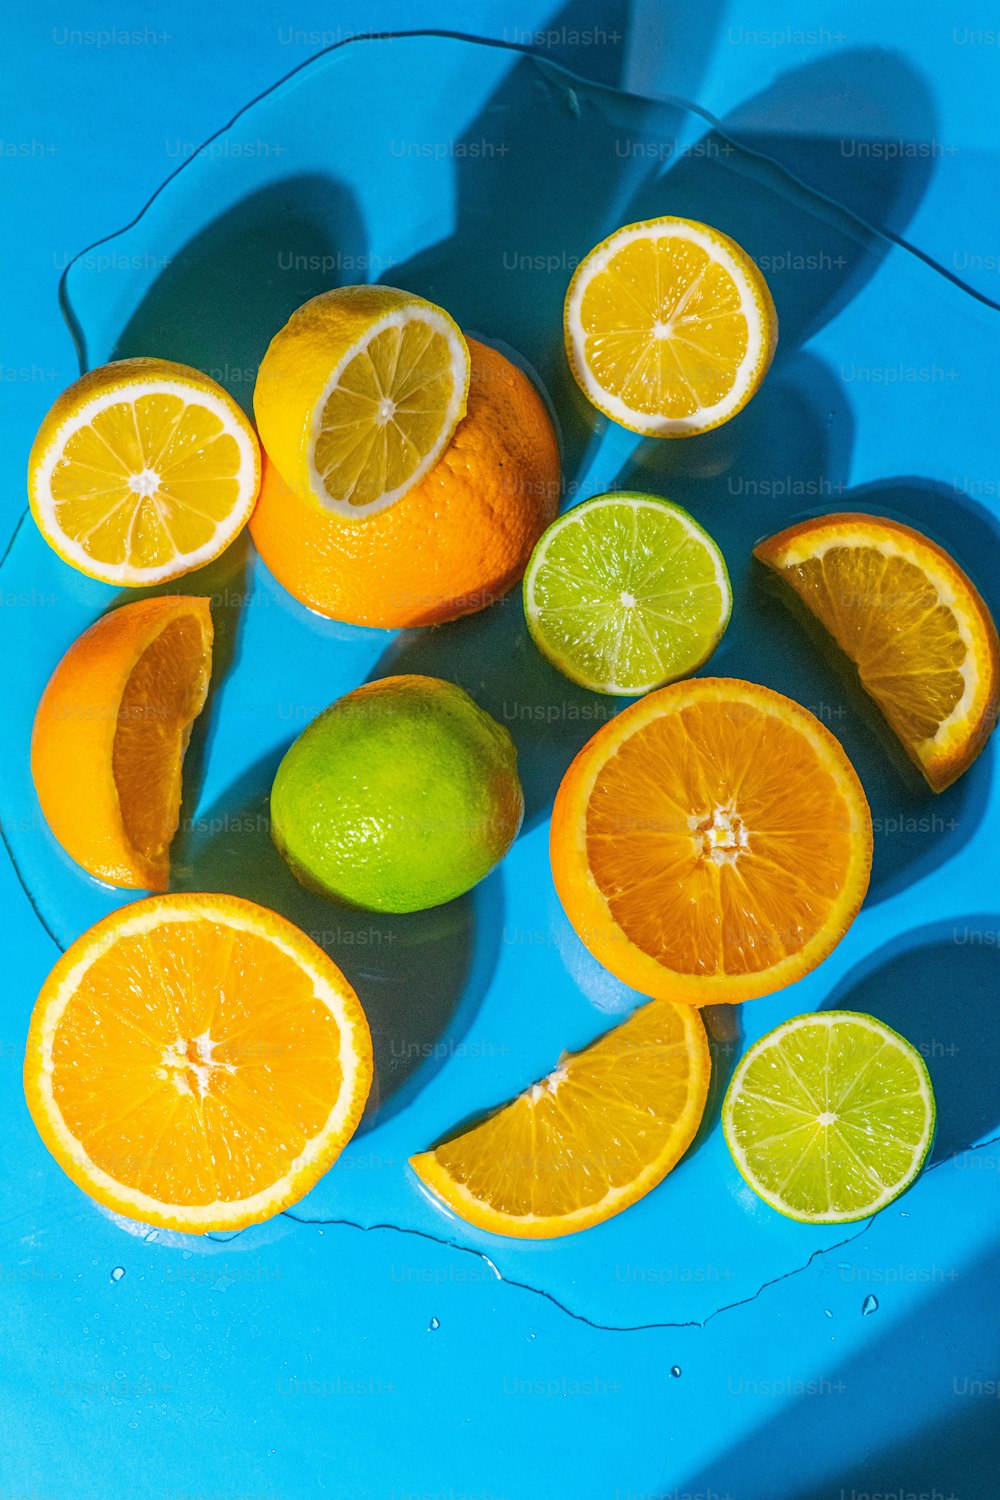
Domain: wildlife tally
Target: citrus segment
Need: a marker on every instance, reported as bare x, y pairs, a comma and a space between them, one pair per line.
196, 1062
626, 592
142, 471
110, 734
359, 394
712, 843
914, 625
602, 1130
669, 327
454, 544
830, 1116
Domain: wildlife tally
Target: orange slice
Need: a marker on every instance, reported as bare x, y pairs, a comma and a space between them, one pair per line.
110, 735
592, 1138
196, 1062
712, 843
143, 470
913, 624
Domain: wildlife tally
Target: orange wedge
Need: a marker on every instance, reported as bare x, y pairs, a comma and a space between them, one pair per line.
712, 843
602, 1130
110, 735
196, 1062
913, 624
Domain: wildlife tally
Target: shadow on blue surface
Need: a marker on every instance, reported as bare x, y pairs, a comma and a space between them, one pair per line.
889, 1399
218, 304
940, 988
422, 975
873, 126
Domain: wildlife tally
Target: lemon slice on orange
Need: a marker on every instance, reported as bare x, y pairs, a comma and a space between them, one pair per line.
359, 394
196, 1062
670, 327
592, 1138
142, 471
915, 626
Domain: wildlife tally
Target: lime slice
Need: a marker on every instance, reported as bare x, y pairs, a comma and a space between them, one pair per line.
830, 1116
626, 592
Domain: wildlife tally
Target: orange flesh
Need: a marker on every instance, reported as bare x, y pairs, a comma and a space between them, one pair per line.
885, 613
718, 838
194, 1062
163, 696
593, 1126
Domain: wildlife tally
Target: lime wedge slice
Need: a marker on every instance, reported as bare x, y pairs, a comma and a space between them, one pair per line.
626, 592
830, 1116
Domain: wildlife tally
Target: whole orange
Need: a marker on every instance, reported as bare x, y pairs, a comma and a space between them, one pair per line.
458, 541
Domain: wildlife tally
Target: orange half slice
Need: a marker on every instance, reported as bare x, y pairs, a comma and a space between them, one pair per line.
712, 843
196, 1062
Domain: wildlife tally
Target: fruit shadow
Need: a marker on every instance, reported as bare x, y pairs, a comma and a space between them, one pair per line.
787, 456
901, 1446
792, 441
421, 977
523, 220
493, 658
219, 302
794, 448
940, 988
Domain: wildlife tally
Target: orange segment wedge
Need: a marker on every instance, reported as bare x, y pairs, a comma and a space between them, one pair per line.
143, 470
602, 1130
196, 1062
712, 843
110, 735
915, 626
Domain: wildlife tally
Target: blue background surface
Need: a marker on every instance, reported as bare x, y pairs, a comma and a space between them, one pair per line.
331, 1358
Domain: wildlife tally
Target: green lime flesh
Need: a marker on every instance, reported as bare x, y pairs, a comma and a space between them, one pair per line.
626, 592
400, 796
830, 1116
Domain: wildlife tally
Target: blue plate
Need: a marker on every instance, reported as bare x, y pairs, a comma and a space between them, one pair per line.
479, 179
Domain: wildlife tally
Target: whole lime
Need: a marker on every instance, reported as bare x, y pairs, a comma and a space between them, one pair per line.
401, 795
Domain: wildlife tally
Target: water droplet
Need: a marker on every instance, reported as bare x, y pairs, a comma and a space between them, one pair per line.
828, 1312
433, 1324
153, 1234
161, 1350
675, 1371
117, 1273
869, 1305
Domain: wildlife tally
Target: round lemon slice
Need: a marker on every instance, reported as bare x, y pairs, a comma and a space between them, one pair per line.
143, 470
359, 394
670, 327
